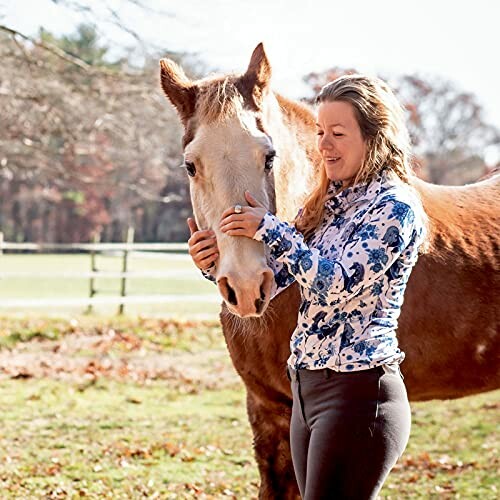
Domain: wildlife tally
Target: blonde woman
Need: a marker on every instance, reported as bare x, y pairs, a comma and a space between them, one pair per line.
351, 251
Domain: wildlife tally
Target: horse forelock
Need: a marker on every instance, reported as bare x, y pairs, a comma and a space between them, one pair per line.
218, 99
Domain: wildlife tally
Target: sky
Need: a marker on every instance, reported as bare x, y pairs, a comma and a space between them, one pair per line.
458, 41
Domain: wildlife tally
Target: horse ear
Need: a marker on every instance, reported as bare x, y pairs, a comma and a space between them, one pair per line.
179, 89
257, 77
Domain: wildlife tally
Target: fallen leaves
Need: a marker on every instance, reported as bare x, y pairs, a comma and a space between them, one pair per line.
84, 351
425, 465
124, 453
125, 333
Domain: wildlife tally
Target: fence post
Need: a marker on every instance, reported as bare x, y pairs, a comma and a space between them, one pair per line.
93, 269
123, 288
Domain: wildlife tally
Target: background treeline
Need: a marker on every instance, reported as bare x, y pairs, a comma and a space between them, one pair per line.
89, 145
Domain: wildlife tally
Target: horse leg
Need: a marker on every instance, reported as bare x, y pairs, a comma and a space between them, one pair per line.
270, 422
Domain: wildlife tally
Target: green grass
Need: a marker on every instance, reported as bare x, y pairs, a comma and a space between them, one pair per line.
185, 436
44, 288
117, 440
120, 440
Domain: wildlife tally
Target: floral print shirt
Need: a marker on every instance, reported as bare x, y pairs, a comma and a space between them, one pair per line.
352, 273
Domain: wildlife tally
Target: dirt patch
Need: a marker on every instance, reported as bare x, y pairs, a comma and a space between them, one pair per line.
85, 358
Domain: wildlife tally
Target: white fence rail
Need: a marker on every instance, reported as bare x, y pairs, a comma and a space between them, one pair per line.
99, 274
85, 301
95, 248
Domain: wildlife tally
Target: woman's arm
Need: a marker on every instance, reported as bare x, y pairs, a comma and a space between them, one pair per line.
283, 278
389, 229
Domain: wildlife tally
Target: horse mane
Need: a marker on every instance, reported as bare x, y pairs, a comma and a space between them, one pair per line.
296, 111
491, 173
218, 99
301, 118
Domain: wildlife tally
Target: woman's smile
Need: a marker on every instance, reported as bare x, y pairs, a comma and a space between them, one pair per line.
332, 159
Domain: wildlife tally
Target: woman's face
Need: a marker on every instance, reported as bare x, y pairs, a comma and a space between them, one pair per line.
339, 140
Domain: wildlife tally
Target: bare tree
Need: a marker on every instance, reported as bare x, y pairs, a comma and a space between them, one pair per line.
448, 129
84, 147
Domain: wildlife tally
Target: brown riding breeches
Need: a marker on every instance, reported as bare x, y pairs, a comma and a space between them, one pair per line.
347, 430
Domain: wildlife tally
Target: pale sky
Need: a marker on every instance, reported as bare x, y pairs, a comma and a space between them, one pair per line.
455, 40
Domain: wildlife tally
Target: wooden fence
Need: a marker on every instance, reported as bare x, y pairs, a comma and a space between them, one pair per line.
93, 249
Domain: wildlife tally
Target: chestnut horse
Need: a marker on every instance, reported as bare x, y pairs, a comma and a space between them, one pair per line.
234, 125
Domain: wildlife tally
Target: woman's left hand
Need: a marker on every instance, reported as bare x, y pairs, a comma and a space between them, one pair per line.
245, 223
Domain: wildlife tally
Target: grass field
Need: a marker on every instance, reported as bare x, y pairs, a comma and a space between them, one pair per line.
190, 282
149, 408
99, 406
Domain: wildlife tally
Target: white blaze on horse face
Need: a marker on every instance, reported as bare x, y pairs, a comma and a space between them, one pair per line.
229, 158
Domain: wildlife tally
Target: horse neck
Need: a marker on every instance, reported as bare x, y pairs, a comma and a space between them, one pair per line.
292, 128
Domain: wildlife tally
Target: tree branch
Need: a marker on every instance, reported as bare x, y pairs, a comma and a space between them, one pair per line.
47, 46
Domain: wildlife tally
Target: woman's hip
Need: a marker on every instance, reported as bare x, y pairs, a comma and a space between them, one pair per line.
367, 400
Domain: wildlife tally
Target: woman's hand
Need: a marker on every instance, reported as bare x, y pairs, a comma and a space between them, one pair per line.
245, 223
202, 246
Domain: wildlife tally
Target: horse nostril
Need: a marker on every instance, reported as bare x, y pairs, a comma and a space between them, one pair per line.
259, 304
227, 291
231, 296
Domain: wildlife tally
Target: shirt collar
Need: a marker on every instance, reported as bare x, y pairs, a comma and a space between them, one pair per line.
349, 195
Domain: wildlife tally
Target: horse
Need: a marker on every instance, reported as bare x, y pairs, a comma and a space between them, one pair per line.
239, 134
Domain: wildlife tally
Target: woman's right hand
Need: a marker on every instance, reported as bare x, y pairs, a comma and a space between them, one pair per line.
202, 246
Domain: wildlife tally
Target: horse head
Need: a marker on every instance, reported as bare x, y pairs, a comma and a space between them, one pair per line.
229, 126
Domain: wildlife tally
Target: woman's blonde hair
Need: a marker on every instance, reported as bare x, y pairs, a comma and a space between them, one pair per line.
381, 120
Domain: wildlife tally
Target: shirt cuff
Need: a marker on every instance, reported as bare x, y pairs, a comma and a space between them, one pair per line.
268, 230
207, 273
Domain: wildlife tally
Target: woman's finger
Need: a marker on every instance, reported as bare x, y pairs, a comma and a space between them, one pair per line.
203, 245
253, 202
192, 225
200, 235
234, 225
206, 263
206, 253
233, 218
230, 211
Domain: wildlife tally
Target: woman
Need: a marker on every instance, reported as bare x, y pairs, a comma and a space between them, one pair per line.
351, 250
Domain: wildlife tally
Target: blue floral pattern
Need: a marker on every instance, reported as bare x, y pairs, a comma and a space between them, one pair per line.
369, 231
352, 273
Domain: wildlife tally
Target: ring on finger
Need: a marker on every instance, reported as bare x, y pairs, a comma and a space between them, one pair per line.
238, 209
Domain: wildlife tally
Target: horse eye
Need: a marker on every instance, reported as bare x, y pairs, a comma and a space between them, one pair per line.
268, 165
191, 169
